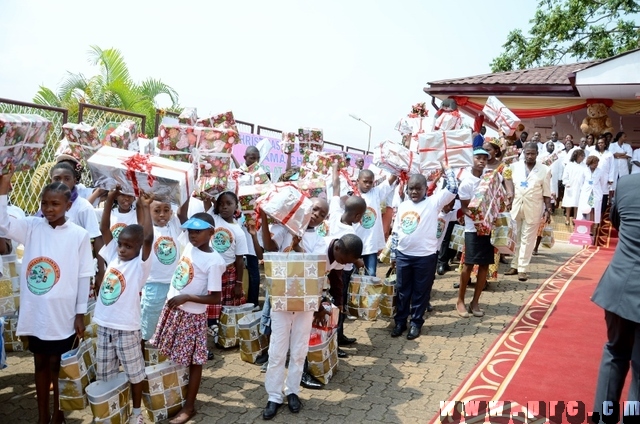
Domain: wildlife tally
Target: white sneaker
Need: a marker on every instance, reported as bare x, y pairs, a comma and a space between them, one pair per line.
136, 419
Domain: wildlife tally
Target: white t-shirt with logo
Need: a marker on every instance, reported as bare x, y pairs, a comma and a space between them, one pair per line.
466, 191
118, 220
54, 261
166, 250
370, 228
197, 273
417, 224
83, 214
228, 240
118, 302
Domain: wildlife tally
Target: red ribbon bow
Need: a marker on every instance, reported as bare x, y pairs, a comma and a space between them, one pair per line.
138, 163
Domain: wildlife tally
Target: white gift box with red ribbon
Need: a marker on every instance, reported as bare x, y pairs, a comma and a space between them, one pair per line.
286, 204
452, 148
447, 120
500, 115
396, 159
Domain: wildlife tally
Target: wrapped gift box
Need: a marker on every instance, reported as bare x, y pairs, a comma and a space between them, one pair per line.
288, 206
388, 300
487, 203
213, 174
295, 280
395, 158
452, 148
252, 342
500, 115
312, 187
550, 159
22, 138
448, 121
152, 355
457, 238
288, 143
248, 195
364, 296
81, 140
164, 390
7, 297
310, 139
221, 120
188, 116
228, 324
175, 142
124, 137
503, 234
323, 354
77, 367
13, 342
320, 162
109, 400
168, 180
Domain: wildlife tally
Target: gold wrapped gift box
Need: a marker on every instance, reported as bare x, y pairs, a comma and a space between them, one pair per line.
457, 238
77, 369
323, 357
164, 390
252, 343
228, 326
13, 342
10, 268
295, 280
152, 356
365, 293
109, 400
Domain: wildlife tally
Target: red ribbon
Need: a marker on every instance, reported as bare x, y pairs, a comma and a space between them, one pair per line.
420, 131
500, 117
352, 185
138, 163
276, 189
446, 148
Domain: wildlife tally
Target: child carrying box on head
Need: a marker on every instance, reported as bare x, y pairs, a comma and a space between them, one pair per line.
117, 310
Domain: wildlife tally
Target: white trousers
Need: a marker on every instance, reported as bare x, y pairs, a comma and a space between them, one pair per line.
525, 242
289, 332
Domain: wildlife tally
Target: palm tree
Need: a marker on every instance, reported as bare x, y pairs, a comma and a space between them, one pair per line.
112, 87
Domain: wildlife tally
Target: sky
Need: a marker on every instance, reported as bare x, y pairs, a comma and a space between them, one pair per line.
279, 64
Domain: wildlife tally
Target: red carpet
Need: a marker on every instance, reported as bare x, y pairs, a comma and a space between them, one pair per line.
549, 353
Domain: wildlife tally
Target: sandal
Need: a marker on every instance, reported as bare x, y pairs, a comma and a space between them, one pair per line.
182, 417
479, 313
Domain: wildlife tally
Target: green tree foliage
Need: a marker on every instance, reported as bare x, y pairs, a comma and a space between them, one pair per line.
112, 87
572, 30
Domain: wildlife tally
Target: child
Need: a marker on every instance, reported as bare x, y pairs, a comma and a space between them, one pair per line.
117, 310
54, 285
478, 249
230, 242
290, 331
181, 334
415, 246
164, 260
122, 214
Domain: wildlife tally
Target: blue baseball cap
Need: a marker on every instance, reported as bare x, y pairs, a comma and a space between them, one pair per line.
480, 152
196, 224
348, 157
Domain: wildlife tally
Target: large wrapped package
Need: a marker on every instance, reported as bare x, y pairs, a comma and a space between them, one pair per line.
221, 120
365, 293
22, 138
452, 148
124, 137
388, 301
323, 354
152, 355
288, 143
548, 238
176, 141
212, 175
310, 139
320, 162
228, 325
448, 120
248, 195
487, 202
457, 238
77, 369
81, 140
13, 342
503, 234
164, 390
295, 280
396, 159
109, 400
311, 187
188, 116
168, 180
252, 342
286, 204
500, 115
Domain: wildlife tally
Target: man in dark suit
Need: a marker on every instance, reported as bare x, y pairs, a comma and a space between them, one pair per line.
618, 293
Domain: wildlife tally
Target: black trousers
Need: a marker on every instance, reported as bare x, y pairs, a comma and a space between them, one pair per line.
445, 254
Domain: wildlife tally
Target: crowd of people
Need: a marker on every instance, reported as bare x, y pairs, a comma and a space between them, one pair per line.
162, 274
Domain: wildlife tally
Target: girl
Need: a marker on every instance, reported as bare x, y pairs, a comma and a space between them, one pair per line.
54, 285
81, 212
164, 260
122, 214
229, 241
590, 201
181, 333
572, 177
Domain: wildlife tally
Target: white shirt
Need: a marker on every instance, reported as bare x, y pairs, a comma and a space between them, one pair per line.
118, 302
370, 229
54, 263
417, 223
197, 273
607, 165
228, 240
118, 220
467, 189
622, 164
635, 169
166, 251
83, 214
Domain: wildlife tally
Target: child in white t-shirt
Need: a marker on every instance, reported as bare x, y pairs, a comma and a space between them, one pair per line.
54, 285
122, 214
117, 310
181, 334
414, 250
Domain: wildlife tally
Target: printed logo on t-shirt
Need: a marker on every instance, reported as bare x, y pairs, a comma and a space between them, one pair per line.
165, 249
222, 239
440, 228
368, 218
409, 222
183, 274
323, 229
117, 229
112, 287
42, 274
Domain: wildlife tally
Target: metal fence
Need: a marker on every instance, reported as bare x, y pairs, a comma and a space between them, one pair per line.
27, 185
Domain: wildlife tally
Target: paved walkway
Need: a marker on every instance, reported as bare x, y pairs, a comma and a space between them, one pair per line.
384, 380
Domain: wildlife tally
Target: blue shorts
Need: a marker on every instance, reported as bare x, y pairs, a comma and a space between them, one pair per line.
154, 296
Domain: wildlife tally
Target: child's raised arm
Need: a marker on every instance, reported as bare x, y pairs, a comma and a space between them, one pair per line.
268, 242
144, 218
105, 222
183, 211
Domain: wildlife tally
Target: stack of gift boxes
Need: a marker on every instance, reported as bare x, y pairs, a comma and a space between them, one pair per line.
22, 138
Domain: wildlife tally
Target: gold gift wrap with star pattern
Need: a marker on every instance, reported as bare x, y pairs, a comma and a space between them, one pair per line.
295, 280
152, 355
388, 300
76, 371
323, 357
365, 293
13, 342
164, 390
228, 325
109, 400
252, 342
7, 297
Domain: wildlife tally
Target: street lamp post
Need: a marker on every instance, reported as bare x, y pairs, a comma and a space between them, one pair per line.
357, 118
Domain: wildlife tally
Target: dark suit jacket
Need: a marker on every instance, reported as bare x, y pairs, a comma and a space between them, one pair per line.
619, 288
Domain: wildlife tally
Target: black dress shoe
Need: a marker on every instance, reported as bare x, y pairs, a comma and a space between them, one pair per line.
270, 410
413, 333
398, 330
294, 403
309, 382
346, 341
429, 307
342, 354
440, 269
262, 358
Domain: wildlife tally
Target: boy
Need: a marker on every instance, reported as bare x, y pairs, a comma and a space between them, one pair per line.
477, 249
117, 310
415, 246
290, 330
